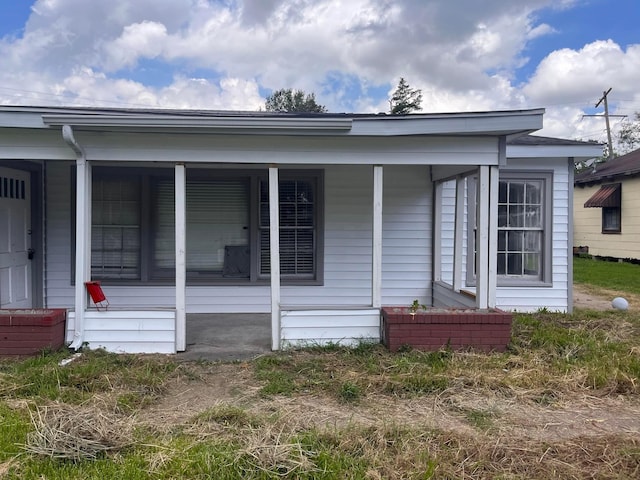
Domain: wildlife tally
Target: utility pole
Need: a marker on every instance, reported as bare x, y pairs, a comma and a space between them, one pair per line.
603, 99
606, 119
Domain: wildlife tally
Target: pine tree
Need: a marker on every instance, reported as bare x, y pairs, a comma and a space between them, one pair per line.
405, 99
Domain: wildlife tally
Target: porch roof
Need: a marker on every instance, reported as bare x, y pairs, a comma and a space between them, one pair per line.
490, 123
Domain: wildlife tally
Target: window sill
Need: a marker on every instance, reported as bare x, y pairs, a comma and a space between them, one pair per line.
518, 283
206, 283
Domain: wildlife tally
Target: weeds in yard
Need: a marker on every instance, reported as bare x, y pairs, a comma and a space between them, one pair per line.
370, 418
350, 392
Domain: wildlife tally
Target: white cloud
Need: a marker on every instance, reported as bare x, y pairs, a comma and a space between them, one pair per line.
464, 55
138, 40
567, 75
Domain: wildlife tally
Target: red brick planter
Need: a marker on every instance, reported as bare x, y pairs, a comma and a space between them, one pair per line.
456, 328
27, 332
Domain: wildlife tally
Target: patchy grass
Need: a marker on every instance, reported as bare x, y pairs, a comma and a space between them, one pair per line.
616, 276
333, 412
94, 372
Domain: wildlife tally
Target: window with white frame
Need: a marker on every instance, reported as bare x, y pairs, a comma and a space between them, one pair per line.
520, 228
524, 228
227, 231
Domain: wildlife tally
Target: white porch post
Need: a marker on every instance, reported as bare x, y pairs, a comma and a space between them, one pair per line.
376, 274
274, 252
458, 233
83, 245
181, 257
437, 232
482, 238
493, 236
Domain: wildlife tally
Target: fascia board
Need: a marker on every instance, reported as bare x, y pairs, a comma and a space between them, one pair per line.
578, 152
190, 122
491, 123
21, 120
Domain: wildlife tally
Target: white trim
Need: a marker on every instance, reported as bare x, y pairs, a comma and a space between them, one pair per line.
274, 251
437, 232
83, 245
578, 152
494, 177
181, 257
570, 238
200, 122
376, 275
482, 238
513, 122
458, 234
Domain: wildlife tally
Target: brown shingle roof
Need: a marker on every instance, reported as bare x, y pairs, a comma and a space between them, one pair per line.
625, 166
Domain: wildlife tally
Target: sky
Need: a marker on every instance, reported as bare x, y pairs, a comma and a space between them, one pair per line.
464, 55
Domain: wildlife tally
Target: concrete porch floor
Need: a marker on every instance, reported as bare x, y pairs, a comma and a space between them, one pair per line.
226, 337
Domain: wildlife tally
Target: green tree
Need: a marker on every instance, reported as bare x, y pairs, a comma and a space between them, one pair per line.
405, 99
629, 134
288, 100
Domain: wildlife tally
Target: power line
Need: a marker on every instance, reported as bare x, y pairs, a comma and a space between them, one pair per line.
603, 99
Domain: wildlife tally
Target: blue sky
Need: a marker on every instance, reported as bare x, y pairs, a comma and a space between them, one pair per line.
229, 54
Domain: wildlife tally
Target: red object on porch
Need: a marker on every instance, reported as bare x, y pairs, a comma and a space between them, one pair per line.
97, 295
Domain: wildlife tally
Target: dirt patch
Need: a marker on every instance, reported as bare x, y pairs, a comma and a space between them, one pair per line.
574, 416
596, 298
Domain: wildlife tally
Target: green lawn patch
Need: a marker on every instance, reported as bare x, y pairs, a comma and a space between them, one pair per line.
619, 276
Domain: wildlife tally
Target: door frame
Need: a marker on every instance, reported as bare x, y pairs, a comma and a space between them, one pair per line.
36, 170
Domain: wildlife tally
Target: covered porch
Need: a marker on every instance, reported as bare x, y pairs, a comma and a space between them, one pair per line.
297, 316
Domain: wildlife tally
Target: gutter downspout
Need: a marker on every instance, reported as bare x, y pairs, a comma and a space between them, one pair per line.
83, 231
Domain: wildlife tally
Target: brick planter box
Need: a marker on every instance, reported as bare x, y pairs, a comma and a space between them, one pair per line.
28, 332
436, 328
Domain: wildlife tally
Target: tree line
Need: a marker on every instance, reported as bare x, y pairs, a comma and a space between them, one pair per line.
286, 100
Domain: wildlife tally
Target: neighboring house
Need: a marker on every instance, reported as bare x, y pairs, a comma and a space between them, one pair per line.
173, 211
607, 207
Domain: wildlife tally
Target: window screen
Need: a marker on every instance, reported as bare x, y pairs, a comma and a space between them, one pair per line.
217, 218
115, 233
297, 227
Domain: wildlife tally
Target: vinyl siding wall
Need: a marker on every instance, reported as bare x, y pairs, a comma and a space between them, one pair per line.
588, 222
347, 254
557, 296
525, 298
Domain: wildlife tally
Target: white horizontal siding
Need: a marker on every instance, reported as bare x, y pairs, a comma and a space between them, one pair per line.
319, 327
406, 236
128, 331
556, 296
265, 149
447, 232
58, 241
30, 144
347, 254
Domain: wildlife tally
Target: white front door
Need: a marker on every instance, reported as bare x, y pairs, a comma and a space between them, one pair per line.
15, 239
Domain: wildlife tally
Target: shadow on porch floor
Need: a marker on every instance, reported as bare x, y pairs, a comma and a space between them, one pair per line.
226, 337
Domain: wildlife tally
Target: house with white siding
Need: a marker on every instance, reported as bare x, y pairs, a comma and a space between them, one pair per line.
319, 220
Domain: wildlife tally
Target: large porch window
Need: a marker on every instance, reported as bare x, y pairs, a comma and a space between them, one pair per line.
227, 214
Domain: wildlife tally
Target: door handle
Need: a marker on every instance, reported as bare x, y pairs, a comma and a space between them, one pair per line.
31, 253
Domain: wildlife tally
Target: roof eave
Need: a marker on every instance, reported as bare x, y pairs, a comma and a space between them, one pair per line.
579, 153
191, 122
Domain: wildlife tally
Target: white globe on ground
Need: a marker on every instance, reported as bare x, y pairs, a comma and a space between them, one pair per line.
620, 303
